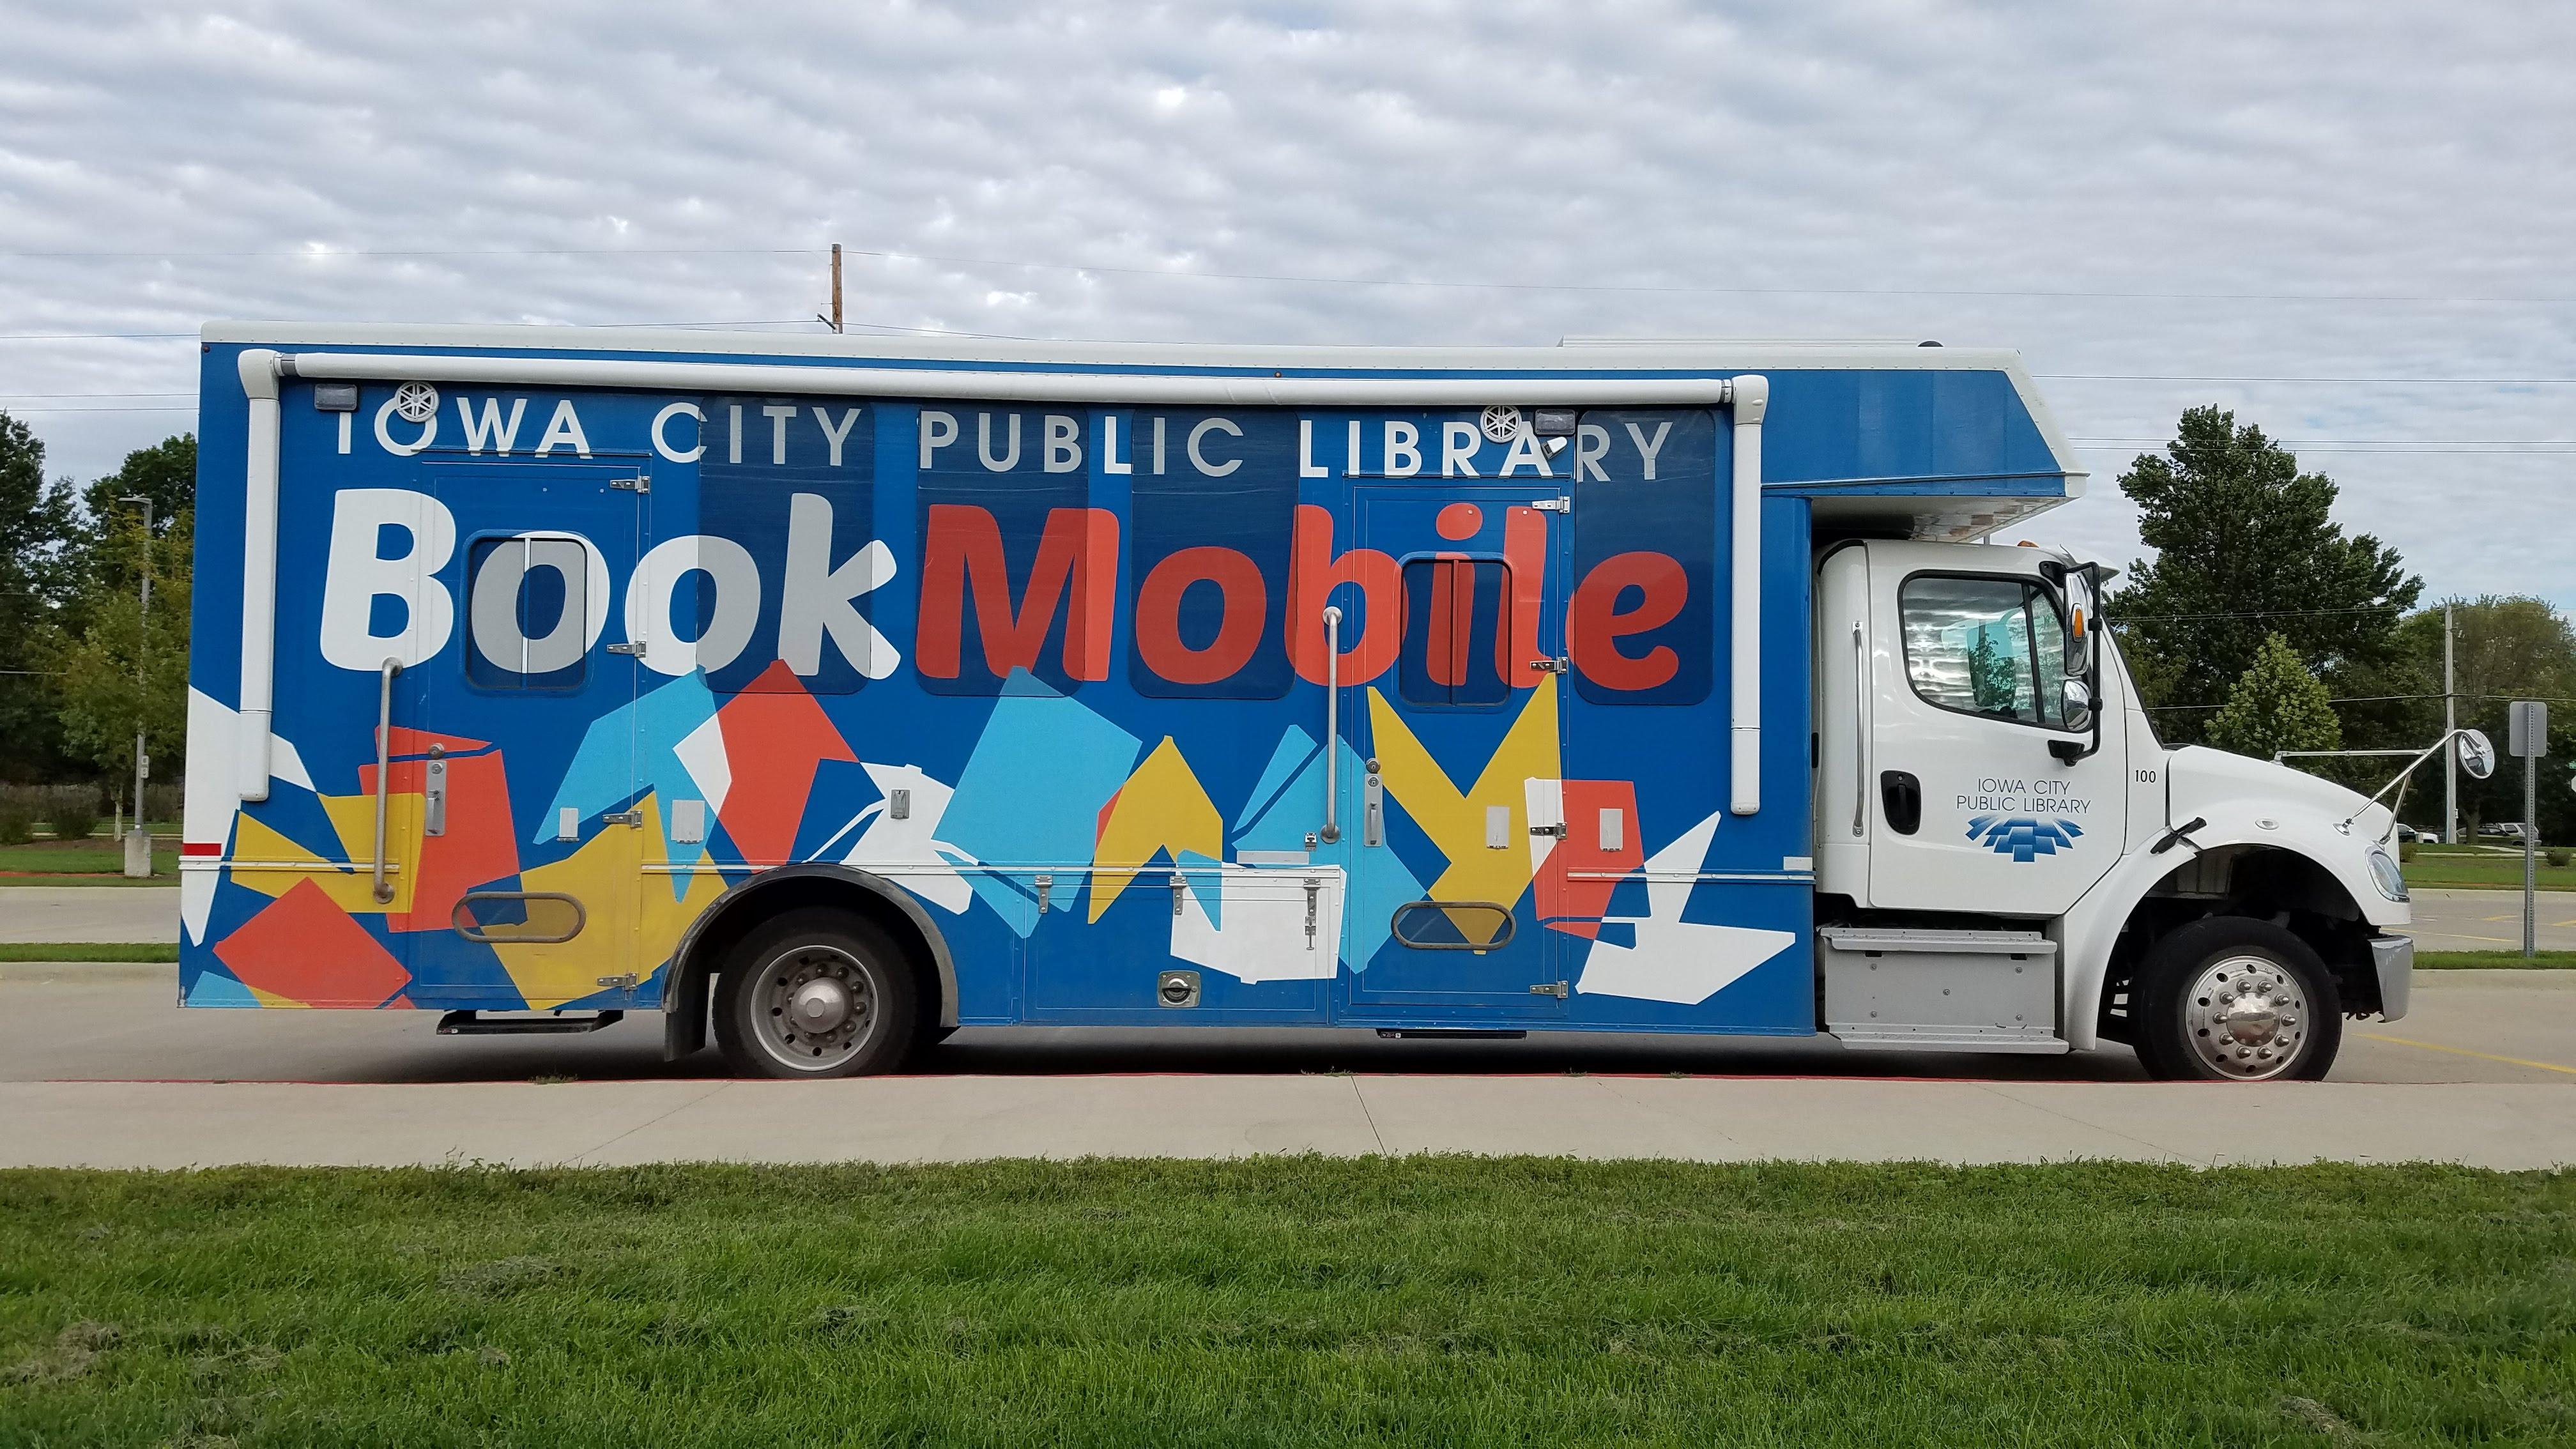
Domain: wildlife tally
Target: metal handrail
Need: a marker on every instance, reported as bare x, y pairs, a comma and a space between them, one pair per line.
1860, 735
1332, 830
384, 768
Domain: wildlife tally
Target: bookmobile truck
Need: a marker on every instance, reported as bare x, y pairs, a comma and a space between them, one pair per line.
831, 694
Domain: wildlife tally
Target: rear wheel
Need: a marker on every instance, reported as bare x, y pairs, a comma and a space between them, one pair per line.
2236, 999
816, 993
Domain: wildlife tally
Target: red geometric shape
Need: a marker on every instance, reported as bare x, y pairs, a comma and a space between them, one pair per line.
302, 947
409, 741
774, 737
1572, 905
480, 843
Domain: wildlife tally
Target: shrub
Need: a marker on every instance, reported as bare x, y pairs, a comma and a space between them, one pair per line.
2406, 850
17, 821
2557, 855
74, 814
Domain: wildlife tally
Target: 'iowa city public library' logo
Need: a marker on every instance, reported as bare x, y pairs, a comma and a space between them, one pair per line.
2023, 837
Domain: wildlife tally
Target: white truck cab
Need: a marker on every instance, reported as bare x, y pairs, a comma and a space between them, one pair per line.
2007, 859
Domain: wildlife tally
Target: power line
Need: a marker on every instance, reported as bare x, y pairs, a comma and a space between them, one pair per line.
2246, 614
2236, 377
1298, 278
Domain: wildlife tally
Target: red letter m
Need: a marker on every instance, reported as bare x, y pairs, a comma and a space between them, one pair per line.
963, 551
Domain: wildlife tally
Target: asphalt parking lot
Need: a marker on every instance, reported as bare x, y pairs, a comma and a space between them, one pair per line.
99, 1067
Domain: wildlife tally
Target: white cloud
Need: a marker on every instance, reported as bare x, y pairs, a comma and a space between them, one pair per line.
2025, 175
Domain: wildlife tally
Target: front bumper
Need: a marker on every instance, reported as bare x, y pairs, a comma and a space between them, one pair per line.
2393, 957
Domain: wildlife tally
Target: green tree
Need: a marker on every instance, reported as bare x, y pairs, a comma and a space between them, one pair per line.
36, 525
2246, 547
1991, 680
2277, 704
115, 672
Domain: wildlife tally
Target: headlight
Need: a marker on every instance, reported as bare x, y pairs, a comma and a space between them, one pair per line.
2385, 875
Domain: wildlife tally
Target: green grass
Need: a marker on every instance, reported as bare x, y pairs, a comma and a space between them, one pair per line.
97, 856
1290, 1301
2483, 870
89, 950
2489, 960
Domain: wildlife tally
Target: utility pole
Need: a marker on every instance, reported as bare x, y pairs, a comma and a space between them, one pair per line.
836, 287
138, 845
2450, 727
2527, 738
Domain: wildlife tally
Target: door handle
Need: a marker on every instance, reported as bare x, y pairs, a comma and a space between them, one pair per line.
384, 768
1332, 830
433, 792
1902, 797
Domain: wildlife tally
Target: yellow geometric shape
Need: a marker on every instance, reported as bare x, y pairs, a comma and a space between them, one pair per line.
1161, 807
1455, 819
624, 909
349, 882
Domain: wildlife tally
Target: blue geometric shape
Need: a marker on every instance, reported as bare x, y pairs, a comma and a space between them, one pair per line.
2023, 838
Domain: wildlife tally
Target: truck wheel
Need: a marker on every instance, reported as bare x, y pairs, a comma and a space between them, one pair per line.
2236, 999
815, 993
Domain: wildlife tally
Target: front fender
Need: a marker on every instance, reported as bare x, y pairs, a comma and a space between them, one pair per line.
2087, 932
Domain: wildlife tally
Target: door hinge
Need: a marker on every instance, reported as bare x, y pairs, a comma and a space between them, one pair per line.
636, 648
1314, 885
1550, 666
640, 483
624, 817
1549, 988
1553, 505
627, 982
1557, 830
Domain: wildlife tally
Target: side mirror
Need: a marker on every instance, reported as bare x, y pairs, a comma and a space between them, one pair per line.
2079, 623
2477, 755
2076, 705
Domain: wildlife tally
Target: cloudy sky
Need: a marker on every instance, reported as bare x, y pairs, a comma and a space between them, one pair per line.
2350, 222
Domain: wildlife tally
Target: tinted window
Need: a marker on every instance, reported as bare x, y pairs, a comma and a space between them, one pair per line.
1985, 646
1209, 553
1646, 533
1458, 615
527, 612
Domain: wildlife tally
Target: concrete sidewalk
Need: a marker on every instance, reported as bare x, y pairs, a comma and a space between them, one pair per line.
946, 1119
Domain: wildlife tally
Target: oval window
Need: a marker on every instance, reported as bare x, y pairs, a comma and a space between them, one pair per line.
1453, 925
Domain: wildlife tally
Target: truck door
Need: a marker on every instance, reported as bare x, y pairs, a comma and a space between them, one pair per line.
1458, 738
518, 740
1966, 805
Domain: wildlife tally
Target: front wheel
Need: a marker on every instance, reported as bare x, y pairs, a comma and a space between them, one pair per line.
2236, 999
815, 993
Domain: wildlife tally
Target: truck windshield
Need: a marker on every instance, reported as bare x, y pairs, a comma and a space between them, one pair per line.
1988, 646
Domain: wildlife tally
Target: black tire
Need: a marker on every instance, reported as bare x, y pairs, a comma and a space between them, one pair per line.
2231, 998
842, 956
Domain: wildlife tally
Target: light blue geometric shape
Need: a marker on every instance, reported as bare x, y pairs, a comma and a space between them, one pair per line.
1031, 792
214, 988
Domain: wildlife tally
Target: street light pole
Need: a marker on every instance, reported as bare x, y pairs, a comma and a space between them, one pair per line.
138, 845
2450, 722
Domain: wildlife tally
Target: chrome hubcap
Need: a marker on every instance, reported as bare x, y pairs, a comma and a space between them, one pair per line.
2246, 1017
817, 1005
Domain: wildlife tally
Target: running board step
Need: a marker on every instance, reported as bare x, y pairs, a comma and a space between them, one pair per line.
474, 1023
1447, 1033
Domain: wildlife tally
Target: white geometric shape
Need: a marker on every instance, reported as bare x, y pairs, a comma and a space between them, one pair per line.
911, 847
212, 799
1673, 960
568, 823
1264, 937
702, 753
